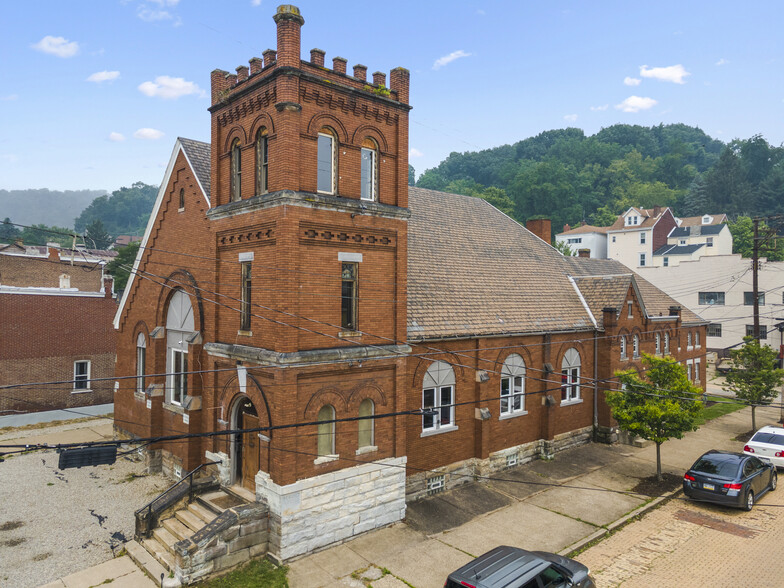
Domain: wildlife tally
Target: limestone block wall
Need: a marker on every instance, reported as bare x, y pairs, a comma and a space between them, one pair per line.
331, 508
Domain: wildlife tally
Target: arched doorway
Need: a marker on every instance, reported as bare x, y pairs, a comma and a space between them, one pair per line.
246, 447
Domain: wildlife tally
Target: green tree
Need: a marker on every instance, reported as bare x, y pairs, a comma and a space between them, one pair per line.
411, 175
124, 212
754, 377
41, 234
659, 406
564, 248
95, 235
8, 232
743, 240
120, 267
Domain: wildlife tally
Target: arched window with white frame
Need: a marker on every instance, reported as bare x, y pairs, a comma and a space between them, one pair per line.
236, 171
623, 346
262, 160
365, 423
438, 395
513, 385
658, 343
141, 362
326, 161
326, 431
666, 343
636, 346
570, 376
179, 329
369, 170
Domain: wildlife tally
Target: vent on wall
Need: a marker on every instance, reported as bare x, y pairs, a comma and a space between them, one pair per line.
511, 460
435, 484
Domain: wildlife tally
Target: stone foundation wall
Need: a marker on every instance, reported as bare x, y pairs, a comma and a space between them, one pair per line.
331, 508
467, 470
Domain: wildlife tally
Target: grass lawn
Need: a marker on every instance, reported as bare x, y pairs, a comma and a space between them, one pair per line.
721, 408
259, 572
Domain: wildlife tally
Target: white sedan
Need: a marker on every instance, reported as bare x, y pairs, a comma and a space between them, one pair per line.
768, 445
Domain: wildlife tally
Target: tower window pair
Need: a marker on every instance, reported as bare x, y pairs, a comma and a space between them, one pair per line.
327, 168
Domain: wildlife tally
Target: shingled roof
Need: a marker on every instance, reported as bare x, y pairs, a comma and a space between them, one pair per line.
198, 154
472, 270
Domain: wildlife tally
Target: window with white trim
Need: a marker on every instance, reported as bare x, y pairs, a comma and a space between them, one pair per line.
709, 242
714, 330
666, 343
179, 376
81, 377
689, 366
141, 362
262, 161
629, 306
697, 369
513, 385
623, 346
438, 392
666, 262
179, 329
697, 339
636, 346
570, 376
349, 293
642, 260
326, 166
642, 238
658, 344
688, 341
245, 295
326, 430
369, 170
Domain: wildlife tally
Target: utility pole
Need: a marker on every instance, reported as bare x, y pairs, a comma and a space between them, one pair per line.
755, 277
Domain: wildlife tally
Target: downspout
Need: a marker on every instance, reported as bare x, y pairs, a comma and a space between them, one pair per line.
595, 383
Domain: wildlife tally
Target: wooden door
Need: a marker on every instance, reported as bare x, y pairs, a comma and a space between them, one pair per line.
250, 452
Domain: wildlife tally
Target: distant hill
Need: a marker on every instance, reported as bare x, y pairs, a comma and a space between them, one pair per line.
44, 206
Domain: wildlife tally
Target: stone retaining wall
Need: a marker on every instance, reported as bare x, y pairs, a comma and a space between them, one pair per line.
331, 508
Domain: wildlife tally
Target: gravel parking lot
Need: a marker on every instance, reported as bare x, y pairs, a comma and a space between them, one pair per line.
53, 522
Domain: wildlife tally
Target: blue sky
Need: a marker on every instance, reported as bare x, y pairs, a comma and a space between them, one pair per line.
94, 93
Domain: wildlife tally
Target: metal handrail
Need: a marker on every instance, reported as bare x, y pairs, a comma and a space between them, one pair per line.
187, 478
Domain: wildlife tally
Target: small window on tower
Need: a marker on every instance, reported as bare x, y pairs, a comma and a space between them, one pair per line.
182, 199
326, 165
348, 314
369, 172
261, 162
236, 170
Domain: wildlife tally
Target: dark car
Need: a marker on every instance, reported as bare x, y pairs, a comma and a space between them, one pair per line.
511, 567
724, 477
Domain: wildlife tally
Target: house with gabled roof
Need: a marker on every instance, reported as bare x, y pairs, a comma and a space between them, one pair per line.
334, 347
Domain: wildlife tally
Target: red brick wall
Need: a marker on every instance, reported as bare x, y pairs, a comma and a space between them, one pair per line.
45, 273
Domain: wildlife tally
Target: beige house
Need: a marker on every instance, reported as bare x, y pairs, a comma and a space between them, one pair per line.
637, 234
693, 238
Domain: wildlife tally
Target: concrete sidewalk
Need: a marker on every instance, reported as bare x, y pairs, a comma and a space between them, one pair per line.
553, 505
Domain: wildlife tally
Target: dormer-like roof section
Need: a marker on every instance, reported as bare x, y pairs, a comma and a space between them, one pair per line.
198, 155
696, 221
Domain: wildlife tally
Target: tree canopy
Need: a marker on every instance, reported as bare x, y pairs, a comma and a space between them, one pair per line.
120, 266
754, 377
658, 406
124, 212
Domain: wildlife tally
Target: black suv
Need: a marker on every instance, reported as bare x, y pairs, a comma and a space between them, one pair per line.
511, 567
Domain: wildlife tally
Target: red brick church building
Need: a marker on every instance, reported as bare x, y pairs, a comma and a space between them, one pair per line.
289, 274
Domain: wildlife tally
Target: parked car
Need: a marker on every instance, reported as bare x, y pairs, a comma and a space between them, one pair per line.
513, 567
725, 477
768, 445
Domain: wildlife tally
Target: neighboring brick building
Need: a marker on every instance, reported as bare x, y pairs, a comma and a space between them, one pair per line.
288, 274
55, 325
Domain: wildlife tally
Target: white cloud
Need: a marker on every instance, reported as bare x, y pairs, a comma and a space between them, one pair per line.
672, 73
150, 134
169, 88
722, 61
446, 59
151, 15
58, 46
414, 152
165, 2
636, 104
597, 108
118, 137
570, 117
631, 81
103, 76
9, 97
255, 2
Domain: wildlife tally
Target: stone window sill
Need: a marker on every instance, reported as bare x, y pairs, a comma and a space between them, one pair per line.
175, 408
368, 449
80, 391
349, 334
571, 402
325, 459
245, 333
511, 415
438, 431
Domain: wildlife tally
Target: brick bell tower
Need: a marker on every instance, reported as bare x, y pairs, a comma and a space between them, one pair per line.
309, 188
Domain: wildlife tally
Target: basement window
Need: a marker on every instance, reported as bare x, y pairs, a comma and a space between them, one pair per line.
436, 484
511, 460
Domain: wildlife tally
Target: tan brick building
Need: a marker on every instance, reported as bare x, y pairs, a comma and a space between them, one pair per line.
289, 275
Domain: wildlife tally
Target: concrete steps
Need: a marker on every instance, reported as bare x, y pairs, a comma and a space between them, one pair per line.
155, 554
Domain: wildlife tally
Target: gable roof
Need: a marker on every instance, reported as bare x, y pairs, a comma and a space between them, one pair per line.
194, 151
678, 249
585, 229
648, 219
691, 221
697, 230
472, 270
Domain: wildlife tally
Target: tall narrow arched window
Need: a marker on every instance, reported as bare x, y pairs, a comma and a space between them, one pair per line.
262, 159
365, 424
636, 346
179, 328
182, 199
236, 170
666, 343
141, 362
369, 170
513, 385
570, 376
438, 395
623, 346
326, 430
327, 161
658, 343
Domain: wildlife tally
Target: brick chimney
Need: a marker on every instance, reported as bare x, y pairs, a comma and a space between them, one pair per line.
540, 227
256, 65
54, 255
360, 72
108, 286
379, 78
657, 210
317, 57
399, 80
583, 253
339, 65
242, 73
289, 22
269, 57
567, 227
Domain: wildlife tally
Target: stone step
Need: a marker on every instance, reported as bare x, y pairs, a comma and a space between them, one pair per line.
165, 538
201, 511
219, 501
190, 520
176, 528
243, 493
146, 559
160, 553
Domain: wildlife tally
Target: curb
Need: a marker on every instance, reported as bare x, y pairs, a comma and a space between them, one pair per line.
619, 523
